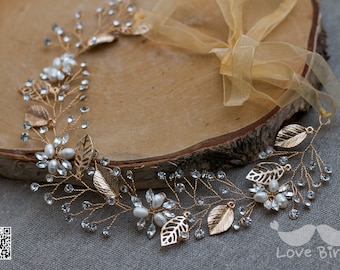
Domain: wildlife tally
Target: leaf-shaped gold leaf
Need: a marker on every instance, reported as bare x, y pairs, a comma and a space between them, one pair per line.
290, 136
37, 115
174, 231
105, 182
83, 154
102, 38
220, 218
263, 172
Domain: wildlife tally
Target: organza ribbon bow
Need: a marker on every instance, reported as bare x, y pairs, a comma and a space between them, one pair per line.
246, 58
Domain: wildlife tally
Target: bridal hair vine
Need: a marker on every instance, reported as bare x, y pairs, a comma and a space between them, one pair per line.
193, 202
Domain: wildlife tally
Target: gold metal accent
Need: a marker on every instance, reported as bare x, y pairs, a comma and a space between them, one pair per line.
263, 172
220, 219
105, 182
83, 154
292, 135
173, 231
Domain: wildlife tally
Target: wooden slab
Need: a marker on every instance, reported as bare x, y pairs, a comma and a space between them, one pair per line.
149, 104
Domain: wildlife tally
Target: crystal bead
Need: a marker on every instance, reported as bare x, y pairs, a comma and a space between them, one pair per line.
70, 119
179, 173
92, 41
83, 97
123, 189
66, 207
180, 187
141, 224
62, 170
151, 231
110, 12
307, 203
246, 221
43, 91
84, 125
43, 129
57, 141
289, 194
116, 23
311, 194
47, 42
24, 136
200, 200
171, 177
161, 175
131, 8
42, 164
242, 210
283, 188
93, 227
328, 170
99, 10
199, 234
34, 186
29, 83
83, 64
301, 182
84, 109
236, 226
267, 204
67, 165
129, 175
85, 73
69, 218
83, 87
325, 177
221, 175
283, 160
86, 205
26, 96
168, 214
77, 15
106, 232
128, 24
68, 188
41, 156
67, 38
270, 150
104, 161
210, 176
316, 184
312, 166
27, 125
136, 201
262, 155
49, 178
91, 171
111, 201
64, 139
296, 199
224, 190
116, 171
294, 214
195, 174
275, 205
169, 205
191, 218
183, 235
84, 82
85, 224
48, 198
149, 195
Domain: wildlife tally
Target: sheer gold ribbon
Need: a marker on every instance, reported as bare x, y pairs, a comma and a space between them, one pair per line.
245, 58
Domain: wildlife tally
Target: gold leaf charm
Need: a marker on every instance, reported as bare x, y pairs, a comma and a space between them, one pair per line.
83, 154
220, 219
100, 39
37, 115
263, 172
292, 135
105, 182
174, 231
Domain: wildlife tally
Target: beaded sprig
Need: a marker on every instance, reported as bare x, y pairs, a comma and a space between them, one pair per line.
195, 201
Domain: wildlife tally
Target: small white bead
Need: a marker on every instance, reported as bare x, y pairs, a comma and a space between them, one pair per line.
273, 185
159, 219
158, 200
49, 150
52, 166
66, 153
260, 197
140, 212
281, 200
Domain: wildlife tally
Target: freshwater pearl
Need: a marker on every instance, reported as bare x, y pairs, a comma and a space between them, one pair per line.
281, 200
260, 197
66, 153
52, 166
158, 200
273, 185
159, 219
140, 212
49, 150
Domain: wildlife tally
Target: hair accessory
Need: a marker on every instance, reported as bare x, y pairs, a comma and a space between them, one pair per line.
194, 202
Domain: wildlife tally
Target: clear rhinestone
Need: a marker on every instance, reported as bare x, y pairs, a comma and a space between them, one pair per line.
296, 199
67, 165
268, 204
29, 83
104, 161
77, 15
180, 187
43, 130
141, 224
246, 221
24, 136
65, 139
86, 205
283, 188
70, 119
48, 198
288, 194
293, 214
131, 8
67, 38
224, 190
191, 218
301, 182
111, 201
325, 177
57, 141
85, 73
66, 207
42, 164
210, 176
328, 170
83, 87
49, 178
123, 189
68, 188
221, 175
91, 171
61, 97
136, 201
195, 174
84, 82
26, 96
242, 210
171, 177
79, 25
60, 31
307, 203
128, 24
47, 42
43, 76
149, 195
270, 150
168, 214
62, 170
183, 235
169, 204
93, 227
200, 200
111, 12
85, 224
83, 64
99, 10
129, 175
69, 218
311, 194
283, 160
179, 173
236, 226
84, 125
199, 234
106, 232
40, 156
27, 125
262, 155
151, 231
84, 109
92, 41
116, 171
161, 175
116, 23
34, 186
317, 184
259, 187
312, 166
275, 205
43, 91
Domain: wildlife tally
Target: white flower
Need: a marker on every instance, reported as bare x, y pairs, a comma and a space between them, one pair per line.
61, 66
